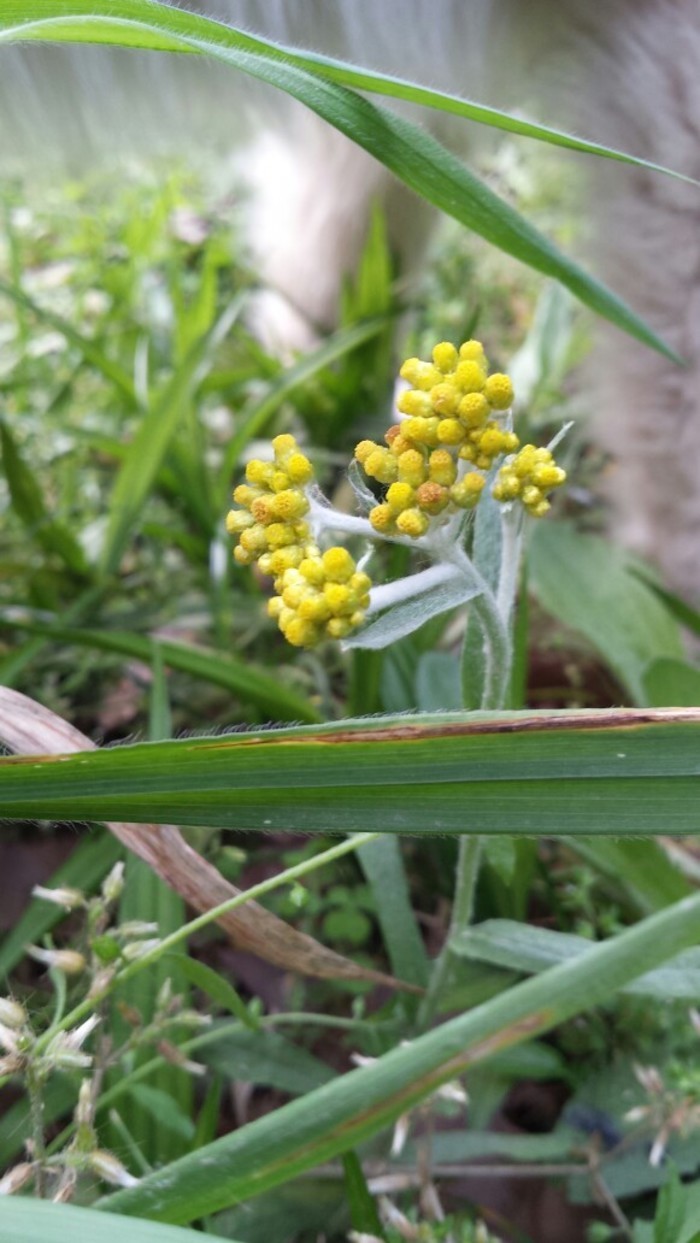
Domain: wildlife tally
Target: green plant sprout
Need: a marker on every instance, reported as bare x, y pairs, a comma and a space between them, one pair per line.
452, 450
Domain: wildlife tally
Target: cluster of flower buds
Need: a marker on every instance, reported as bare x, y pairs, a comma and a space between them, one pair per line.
528, 476
325, 597
455, 426
318, 595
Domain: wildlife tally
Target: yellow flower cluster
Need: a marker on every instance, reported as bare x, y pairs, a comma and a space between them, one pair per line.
528, 476
452, 414
318, 595
324, 598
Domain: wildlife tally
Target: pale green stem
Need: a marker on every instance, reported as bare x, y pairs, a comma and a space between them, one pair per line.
494, 616
182, 934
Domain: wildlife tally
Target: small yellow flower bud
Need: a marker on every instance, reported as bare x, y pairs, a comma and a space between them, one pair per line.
413, 402
338, 565
259, 473
261, 509
382, 519
499, 391
301, 633
450, 432
283, 445
278, 534
432, 498
338, 598
314, 608
473, 351
288, 505
241, 557
470, 377
237, 520
445, 356
381, 465
299, 469
339, 627
364, 449
412, 523
444, 399
466, 492
412, 468
311, 568
419, 374
243, 495
441, 467
254, 540
421, 431
474, 410
400, 496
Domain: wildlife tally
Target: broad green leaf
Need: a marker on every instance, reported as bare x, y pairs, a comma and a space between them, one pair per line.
590, 585
404, 148
596, 772
523, 947
402, 619
340, 1115
672, 682
266, 1057
251, 685
25, 1220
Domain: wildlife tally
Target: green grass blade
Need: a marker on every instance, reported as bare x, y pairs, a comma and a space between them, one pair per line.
565, 773
523, 947
149, 446
383, 866
90, 351
256, 418
28, 503
336, 1118
409, 152
242, 679
36, 1221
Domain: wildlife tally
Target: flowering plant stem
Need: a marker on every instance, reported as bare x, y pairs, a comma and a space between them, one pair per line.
494, 616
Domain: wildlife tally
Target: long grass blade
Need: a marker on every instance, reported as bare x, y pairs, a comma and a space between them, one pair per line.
410, 153
564, 773
336, 1118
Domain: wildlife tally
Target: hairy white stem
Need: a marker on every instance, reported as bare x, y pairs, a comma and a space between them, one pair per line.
412, 585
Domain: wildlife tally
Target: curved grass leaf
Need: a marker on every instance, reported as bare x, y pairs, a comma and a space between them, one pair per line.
405, 149
600, 772
28, 503
148, 448
251, 685
36, 1221
523, 947
338, 1116
89, 349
